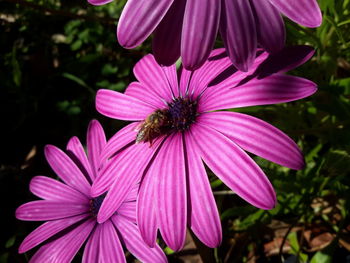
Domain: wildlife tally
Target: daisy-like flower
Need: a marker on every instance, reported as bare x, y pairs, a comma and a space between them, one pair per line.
178, 126
70, 211
189, 28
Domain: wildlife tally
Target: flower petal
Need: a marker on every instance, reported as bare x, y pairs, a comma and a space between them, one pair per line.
76, 152
234, 167
48, 210
143, 93
110, 248
128, 211
134, 243
66, 169
127, 172
99, 2
200, 27
269, 25
171, 192
119, 106
304, 12
91, 250
64, 248
237, 28
167, 36
204, 216
96, 141
139, 19
152, 76
272, 90
256, 136
47, 230
53, 190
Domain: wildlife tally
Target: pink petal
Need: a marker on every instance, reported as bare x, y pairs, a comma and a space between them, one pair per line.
272, 90
127, 172
64, 248
46, 231
171, 192
200, 27
132, 195
110, 248
96, 141
256, 136
128, 211
139, 19
53, 190
234, 167
91, 250
134, 242
167, 36
77, 153
204, 216
144, 93
269, 25
152, 76
99, 2
122, 107
304, 12
48, 210
237, 28
66, 169
119, 140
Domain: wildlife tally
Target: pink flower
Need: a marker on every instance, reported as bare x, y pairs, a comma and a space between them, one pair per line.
70, 211
189, 28
178, 126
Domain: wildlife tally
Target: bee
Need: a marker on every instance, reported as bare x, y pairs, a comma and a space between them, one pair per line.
156, 124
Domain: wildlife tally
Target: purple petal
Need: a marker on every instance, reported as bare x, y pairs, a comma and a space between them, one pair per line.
237, 28
132, 196
167, 36
171, 192
78, 155
200, 27
128, 211
134, 242
286, 59
272, 90
143, 93
48, 210
122, 107
127, 172
139, 19
66, 169
64, 249
304, 12
96, 141
99, 2
234, 167
256, 136
91, 250
46, 231
269, 26
53, 190
122, 138
152, 76
204, 216
110, 248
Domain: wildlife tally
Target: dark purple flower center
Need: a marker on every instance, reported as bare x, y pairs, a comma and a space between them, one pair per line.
96, 203
178, 117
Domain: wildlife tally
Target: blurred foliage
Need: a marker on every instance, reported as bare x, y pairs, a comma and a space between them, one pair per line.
56, 54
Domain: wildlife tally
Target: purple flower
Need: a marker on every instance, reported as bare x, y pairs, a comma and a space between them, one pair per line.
178, 127
70, 211
189, 28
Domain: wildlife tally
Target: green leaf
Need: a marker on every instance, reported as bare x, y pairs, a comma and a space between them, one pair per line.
321, 257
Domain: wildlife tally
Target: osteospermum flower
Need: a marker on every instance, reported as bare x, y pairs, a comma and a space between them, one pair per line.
189, 28
178, 125
70, 211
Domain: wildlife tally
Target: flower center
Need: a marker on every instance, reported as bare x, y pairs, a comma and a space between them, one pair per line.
178, 117
96, 203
